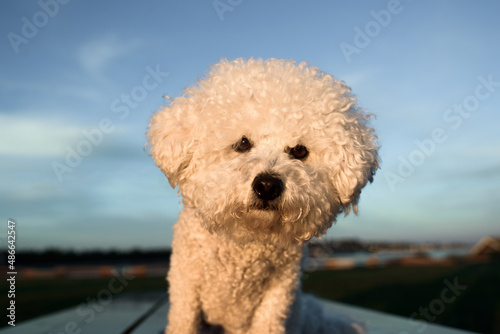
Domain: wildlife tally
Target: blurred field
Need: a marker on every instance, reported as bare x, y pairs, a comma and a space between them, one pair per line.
396, 290
406, 290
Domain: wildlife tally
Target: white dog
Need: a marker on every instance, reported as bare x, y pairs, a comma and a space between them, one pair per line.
266, 154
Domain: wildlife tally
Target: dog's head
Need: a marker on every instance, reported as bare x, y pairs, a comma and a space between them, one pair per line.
266, 149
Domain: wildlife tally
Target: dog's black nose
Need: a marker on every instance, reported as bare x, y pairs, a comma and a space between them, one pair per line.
267, 187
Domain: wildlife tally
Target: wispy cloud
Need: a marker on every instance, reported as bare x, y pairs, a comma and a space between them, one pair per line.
41, 88
96, 54
30, 136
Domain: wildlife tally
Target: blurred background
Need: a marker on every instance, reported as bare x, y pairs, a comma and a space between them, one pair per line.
98, 70
80, 80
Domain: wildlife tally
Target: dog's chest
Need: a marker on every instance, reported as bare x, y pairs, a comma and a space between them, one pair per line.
237, 280
233, 273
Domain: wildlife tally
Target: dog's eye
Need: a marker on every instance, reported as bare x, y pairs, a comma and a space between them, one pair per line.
298, 152
243, 145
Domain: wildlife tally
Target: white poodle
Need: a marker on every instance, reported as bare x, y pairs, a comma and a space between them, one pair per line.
266, 154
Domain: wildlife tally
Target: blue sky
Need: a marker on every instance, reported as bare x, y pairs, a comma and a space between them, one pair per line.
86, 76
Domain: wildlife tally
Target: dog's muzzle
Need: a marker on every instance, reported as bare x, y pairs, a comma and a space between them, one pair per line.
267, 187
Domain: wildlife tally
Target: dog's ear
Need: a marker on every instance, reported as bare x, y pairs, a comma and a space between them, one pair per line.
170, 141
357, 157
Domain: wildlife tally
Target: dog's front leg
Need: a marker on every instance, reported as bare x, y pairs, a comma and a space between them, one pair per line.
270, 316
184, 315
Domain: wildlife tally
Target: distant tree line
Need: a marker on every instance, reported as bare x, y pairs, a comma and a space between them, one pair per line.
51, 257
330, 247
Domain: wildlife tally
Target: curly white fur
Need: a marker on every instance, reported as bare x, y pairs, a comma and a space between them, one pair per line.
235, 260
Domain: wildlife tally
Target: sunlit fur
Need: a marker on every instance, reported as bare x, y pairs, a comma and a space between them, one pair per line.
277, 105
